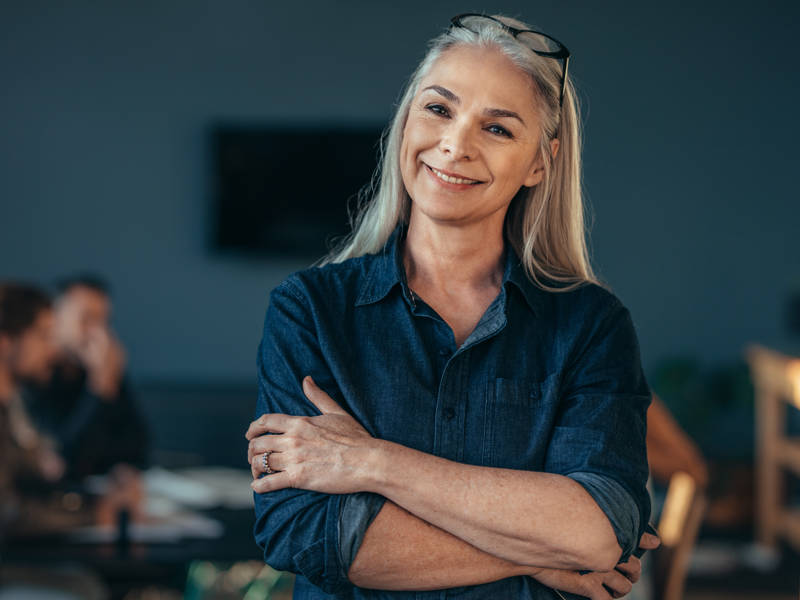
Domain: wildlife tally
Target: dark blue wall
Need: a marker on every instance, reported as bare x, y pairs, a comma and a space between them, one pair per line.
691, 154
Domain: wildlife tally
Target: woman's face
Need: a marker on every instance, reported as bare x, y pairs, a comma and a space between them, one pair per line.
471, 138
34, 350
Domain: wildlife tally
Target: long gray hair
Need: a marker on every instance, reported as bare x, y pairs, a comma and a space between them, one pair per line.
544, 223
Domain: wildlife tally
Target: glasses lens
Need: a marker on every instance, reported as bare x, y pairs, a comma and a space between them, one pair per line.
538, 42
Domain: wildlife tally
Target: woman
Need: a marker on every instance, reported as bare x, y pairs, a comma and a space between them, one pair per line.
481, 395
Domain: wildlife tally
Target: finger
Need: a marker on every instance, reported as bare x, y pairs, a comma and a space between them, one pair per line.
259, 464
277, 462
269, 423
253, 451
632, 569
270, 483
649, 541
617, 583
267, 443
598, 592
319, 398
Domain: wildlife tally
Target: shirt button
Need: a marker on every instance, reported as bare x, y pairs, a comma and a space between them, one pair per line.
449, 413
444, 352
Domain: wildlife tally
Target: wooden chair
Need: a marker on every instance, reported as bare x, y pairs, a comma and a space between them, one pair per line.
776, 378
680, 521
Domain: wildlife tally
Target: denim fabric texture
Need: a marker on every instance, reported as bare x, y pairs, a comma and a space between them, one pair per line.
547, 381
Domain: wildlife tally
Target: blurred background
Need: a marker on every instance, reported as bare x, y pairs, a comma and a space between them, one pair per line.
130, 130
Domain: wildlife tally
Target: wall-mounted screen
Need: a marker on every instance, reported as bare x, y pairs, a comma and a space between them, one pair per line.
283, 191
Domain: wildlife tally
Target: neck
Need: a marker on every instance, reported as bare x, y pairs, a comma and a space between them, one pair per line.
7, 386
453, 258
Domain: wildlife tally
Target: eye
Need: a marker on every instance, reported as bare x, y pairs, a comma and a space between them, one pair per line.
498, 130
438, 109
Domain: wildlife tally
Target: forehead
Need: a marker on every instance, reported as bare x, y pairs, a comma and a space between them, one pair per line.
87, 299
43, 322
483, 75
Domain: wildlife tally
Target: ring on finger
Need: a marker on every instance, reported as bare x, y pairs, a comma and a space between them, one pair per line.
265, 462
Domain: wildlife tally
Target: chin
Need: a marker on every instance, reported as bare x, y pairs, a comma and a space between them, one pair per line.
447, 213
440, 208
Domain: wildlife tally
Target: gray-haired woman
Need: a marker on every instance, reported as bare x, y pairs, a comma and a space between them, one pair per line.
483, 404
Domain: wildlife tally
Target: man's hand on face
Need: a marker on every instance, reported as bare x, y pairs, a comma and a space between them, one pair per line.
104, 359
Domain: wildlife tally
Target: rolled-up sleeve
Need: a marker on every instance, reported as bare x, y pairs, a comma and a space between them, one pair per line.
358, 512
309, 533
617, 504
599, 437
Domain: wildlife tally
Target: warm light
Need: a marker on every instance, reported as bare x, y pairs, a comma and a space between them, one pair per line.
676, 508
793, 374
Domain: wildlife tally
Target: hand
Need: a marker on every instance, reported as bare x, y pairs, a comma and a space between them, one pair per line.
594, 585
600, 585
323, 453
649, 541
125, 492
51, 465
104, 359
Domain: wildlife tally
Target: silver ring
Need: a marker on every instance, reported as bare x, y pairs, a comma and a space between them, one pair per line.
265, 462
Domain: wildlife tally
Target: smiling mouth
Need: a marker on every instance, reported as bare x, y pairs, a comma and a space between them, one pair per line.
451, 179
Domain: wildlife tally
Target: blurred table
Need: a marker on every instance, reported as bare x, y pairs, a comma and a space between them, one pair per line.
136, 564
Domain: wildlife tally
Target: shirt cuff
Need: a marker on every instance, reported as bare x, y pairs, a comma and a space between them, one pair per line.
356, 513
618, 505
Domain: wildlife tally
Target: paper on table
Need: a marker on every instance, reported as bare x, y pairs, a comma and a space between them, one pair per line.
181, 489
230, 486
202, 487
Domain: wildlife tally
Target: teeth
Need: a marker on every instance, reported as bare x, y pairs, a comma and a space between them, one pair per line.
449, 179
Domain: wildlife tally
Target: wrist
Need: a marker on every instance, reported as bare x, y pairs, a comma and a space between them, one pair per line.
381, 456
531, 571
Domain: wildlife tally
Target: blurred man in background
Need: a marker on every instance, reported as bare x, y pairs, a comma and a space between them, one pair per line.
87, 405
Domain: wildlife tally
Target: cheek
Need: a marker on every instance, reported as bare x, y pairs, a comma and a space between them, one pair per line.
404, 164
514, 170
409, 155
26, 357
407, 151
420, 133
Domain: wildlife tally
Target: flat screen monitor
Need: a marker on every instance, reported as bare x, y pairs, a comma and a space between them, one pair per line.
284, 191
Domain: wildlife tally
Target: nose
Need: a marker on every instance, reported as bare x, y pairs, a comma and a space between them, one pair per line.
457, 142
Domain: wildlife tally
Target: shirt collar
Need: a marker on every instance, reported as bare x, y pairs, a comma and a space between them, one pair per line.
515, 274
387, 271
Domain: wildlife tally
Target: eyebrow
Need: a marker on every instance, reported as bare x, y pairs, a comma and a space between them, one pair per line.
492, 112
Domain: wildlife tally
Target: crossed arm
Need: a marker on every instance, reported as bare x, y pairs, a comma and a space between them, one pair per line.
459, 524
490, 524
401, 551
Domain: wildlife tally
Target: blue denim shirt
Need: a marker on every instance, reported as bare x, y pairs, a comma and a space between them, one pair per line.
546, 382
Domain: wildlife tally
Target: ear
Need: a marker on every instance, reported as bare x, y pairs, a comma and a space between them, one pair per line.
537, 171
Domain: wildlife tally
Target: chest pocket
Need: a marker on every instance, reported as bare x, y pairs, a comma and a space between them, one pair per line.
519, 416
